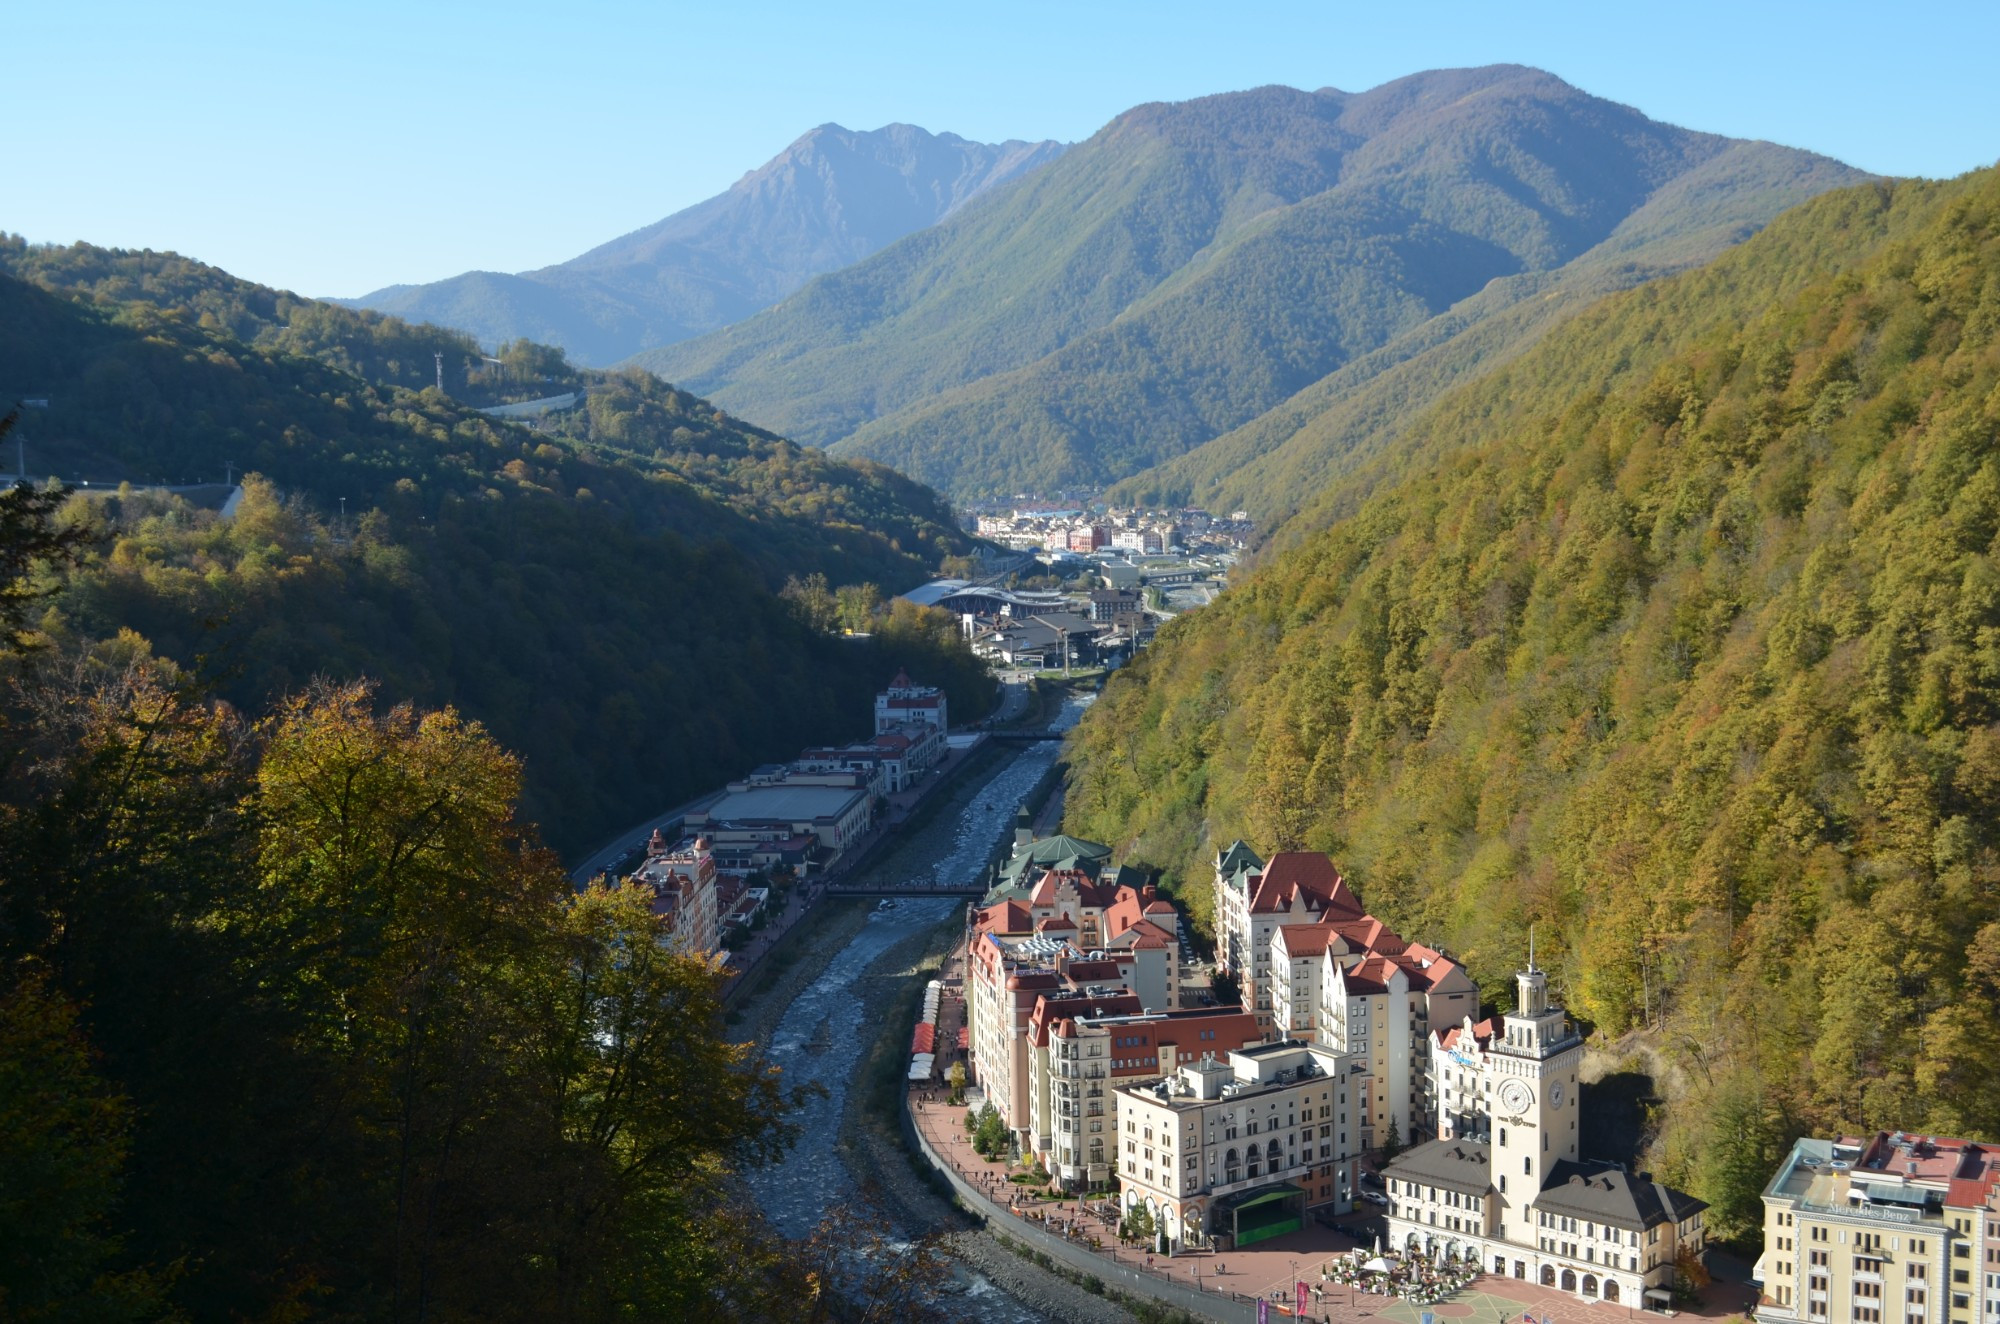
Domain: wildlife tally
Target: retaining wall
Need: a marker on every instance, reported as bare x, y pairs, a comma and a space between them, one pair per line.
1227, 1307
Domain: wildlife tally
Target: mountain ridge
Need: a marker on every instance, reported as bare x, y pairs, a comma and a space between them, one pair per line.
558, 583
831, 197
1672, 637
1194, 264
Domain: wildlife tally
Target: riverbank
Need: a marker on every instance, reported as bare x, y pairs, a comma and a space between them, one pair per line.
871, 1143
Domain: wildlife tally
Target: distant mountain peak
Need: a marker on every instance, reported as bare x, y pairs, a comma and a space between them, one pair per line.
833, 196
1195, 264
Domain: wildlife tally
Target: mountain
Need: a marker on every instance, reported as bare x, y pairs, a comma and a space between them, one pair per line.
1193, 266
602, 590
1283, 463
828, 200
1678, 638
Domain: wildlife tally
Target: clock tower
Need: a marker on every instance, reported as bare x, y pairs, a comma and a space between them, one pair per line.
1531, 1092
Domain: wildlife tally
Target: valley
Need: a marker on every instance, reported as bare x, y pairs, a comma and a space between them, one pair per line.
1225, 698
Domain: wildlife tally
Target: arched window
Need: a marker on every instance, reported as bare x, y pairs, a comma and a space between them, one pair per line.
1548, 1275
1611, 1289
1590, 1284
1569, 1280
1271, 1152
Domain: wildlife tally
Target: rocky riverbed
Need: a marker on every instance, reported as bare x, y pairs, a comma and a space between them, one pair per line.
848, 986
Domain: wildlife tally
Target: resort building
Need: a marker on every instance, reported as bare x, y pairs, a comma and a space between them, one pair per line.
1523, 1203
822, 819
1081, 1051
1883, 1229
683, 880
1315, 968
907, 703
1233, 1150
1069, 934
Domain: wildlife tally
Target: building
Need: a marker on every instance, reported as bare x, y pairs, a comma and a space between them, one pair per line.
1459, 1075
1061, 925
1234, 1150
906, 703
1523, 1203
1046, 641
1884, 1229
1314, 967
1081, 1051
752, 824
1145, 541
683, 880
1254, 897
1121, 608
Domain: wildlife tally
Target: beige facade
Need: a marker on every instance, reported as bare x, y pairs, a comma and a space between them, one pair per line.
1886, 1229
1082, 1051
1516, 1197
1230, 1148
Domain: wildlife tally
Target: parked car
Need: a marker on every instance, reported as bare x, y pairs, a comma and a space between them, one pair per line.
1375, 1197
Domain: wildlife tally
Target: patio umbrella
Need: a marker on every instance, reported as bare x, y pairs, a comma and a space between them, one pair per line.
1376, 1265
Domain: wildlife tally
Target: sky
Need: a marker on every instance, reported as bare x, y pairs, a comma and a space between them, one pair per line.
335, 148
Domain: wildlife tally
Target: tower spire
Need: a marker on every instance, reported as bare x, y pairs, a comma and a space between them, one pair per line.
1531, 948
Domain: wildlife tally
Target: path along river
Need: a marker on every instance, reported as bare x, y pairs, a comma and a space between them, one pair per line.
815, 1037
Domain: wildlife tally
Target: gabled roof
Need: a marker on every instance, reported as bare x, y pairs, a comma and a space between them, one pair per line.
1006, 917
1481, 1035
1606, 1193
1237, 855
1464, 1166
1304, 939
1307, 875
1371, 974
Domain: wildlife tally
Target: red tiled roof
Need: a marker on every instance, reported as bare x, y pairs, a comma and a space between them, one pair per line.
925, 1039
1305, 939
1006, 917
1307, 874
1369, 975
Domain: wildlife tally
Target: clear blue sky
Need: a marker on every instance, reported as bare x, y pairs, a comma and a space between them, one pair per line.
332, 148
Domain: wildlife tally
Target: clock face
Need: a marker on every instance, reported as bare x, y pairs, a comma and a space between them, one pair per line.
1556, 1095
1516, 1097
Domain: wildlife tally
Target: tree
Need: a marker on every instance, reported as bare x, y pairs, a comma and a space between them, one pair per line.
1138, 1224
954, 1076
64, 1137
812, 602
991, 1138
1392, 1144
856, 605
31, 540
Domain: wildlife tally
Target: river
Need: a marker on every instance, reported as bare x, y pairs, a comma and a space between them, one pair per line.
796, 1193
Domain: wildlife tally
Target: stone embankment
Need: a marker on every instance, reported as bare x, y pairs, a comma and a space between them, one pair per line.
872, 1144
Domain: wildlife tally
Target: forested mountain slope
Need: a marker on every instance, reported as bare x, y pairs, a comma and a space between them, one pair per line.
830, 199
1278, 464
1677, 637
601, 594
1194, 265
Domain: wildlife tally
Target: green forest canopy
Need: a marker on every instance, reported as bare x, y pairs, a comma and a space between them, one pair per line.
1678, 637
601, 592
